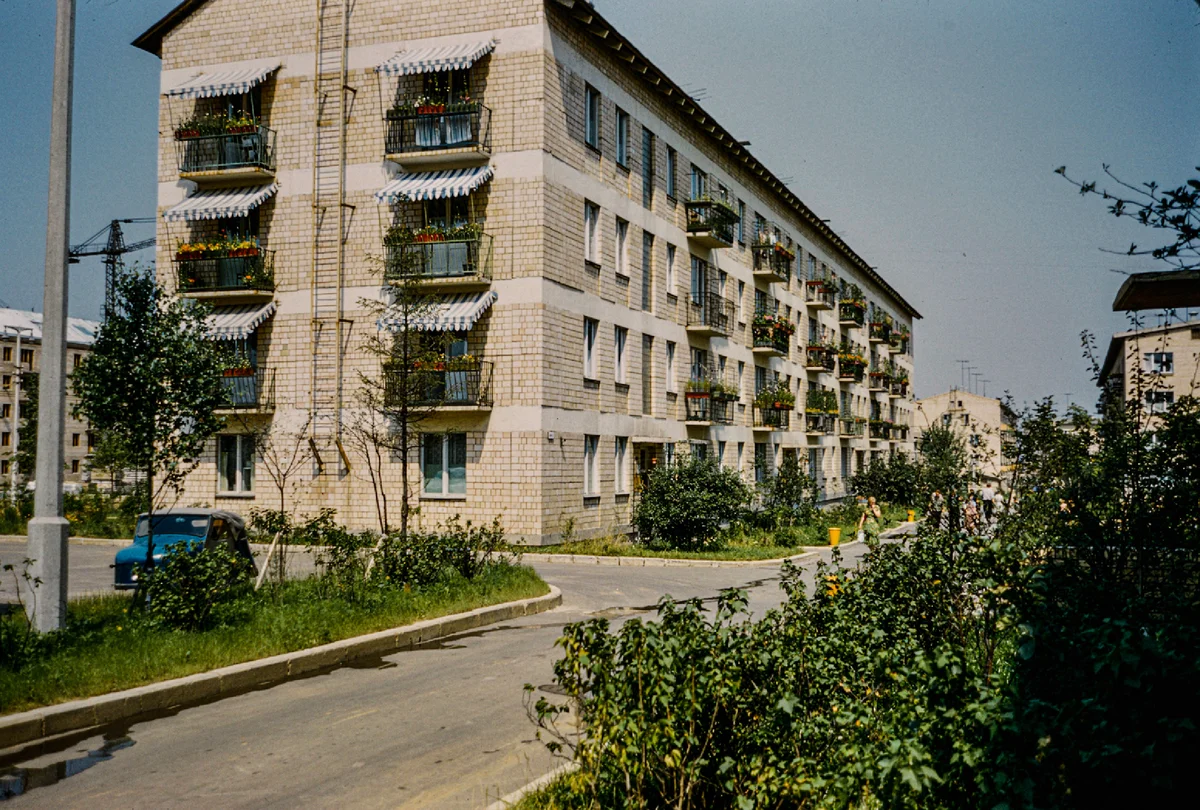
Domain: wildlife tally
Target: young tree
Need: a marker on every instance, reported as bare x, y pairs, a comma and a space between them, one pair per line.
282, 450
152, 383
26, 458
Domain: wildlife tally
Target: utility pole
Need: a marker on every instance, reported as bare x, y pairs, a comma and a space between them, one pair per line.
48, 530
18, 387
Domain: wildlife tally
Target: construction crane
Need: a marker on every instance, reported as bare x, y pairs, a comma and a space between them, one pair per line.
109, 242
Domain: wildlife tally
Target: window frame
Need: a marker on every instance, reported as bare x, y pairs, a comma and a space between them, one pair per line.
591, 333
591, 483
621, 465
239, 488
672, 386
593, 111
443, 442
621, 135
672, 255
620, 355
672, 170
591, 233
621, 242
1159, 363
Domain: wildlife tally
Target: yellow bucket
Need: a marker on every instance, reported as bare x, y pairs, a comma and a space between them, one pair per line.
912, 515
835, 535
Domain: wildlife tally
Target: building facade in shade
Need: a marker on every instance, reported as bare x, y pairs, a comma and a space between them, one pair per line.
20, 361
1153, 367
985, 425
619, 279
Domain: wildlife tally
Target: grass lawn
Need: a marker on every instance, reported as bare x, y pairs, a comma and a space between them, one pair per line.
107, 647
738, 545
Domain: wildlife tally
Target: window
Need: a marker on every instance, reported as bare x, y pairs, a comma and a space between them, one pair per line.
671, 367
846, 462
76, 360
672, 162
27, 357
762, 467
448, 212
591, 124
5, 411
447, 85
75, 465
622, 138
444, 463
699, 449
591, 232
647, 167
235, 464
91, 441
699, 279
1156, 401
722, 282
647, 270
6, 381
74, 439
670, 270
814, 465
741, 454
5, 467
670, 454
647, 375
741, 316
591, 483
622, 247
590, 329
741, 223
5, 439
720, 452
741, 376
1159, 363
699, 182
621, 464
8, 354
760, 378
620, 334
699, 364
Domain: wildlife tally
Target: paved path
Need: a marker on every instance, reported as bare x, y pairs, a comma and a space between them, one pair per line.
439, 727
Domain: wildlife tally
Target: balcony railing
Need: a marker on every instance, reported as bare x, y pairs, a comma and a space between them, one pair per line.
881, 331
819, 358
705, 406
452, 259
772, 418
899, 433
712, 314
711, 220
456, 382
898, 388
817, 294
227, 273
880, 429
851, 313
819, 423
773, 262
250, 389
429, 129
851, 426
230, 150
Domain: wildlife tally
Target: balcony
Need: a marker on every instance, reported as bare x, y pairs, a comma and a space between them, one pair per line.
881, 332
851, 368
773, 262
772, 418
899, 433
818, 295
711, 316
708, 407
245, 154
878, 381
898, 342
456, 383
897, 388
446, 262
772, 334
249, 390
819, 358
711, 220
880, 430
851, 314
221, 274
438, 134
819, 424
852, 426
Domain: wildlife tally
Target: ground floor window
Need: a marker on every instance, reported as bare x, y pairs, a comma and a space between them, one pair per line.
444, 463
235, 463
762, 467
591, 474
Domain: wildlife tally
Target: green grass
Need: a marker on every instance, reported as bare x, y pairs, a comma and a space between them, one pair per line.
739, 544
107, 647
564, 793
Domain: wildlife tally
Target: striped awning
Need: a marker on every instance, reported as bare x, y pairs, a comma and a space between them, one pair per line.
222, 82
456, 313
237, 323
433, 185
221, 203
431, 60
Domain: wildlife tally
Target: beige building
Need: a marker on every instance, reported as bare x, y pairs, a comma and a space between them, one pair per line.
984, 423
623, 281
20, 360
1155, 367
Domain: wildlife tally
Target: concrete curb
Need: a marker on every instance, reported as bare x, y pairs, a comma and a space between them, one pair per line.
505, 802
668, 562
47, 721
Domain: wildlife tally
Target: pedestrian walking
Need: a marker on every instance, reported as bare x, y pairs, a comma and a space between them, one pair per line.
988, 495
870, 522
998, 503
937, 509
971, 516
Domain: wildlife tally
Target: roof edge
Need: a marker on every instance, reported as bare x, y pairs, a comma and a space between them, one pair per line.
151, 39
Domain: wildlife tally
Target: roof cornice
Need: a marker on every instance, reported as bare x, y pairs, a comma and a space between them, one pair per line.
151, 39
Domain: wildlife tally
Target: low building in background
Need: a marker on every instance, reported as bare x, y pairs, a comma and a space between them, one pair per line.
984, 423
1153, 367
20, 360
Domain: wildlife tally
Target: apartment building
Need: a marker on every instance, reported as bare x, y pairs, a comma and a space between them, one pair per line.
1154, 367
620, 280
20, 359
985, 425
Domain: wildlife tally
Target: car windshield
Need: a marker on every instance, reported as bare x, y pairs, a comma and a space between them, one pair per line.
190, 525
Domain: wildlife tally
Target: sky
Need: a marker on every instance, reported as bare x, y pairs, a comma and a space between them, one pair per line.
926, 131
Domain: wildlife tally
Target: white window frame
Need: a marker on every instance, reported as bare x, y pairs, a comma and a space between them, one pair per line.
443, 440
591, 113
620, 341
591, 232
671, 253
622, 247
671, 386
721, 452
621, 465
622, 138
591, 330
741, 296
1162, 363
672, 170
242, 444
591, 478
1159, 401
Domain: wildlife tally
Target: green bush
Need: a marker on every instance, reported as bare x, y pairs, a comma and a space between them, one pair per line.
789, 497
683, 506
896, 480
188, 591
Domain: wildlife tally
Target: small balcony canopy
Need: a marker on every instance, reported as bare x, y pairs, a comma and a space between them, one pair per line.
238, 323
431, 60
223, 82
433, 185
220, 203
456, 313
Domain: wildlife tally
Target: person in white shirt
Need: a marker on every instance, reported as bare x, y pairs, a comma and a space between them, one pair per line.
988, 496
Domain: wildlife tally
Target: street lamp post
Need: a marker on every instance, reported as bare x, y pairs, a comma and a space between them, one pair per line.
48, 530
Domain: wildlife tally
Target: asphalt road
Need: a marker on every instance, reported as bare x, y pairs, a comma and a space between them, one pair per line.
439, 727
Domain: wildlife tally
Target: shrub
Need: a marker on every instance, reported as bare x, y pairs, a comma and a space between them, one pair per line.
683, 506
789, 496
187, 591
896, 480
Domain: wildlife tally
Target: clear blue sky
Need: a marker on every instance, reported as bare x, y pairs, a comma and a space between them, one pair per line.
927, 131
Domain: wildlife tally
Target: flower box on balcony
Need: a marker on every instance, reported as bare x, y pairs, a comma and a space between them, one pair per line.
238, 372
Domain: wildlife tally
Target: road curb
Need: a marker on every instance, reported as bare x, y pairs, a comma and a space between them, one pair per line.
505, 802
670, 562
75, 715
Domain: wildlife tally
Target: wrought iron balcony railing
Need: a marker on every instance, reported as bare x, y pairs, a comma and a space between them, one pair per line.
704, 406
250, 389
711, 219
227, 273
451, 259
818, 294
434, 128
446, 383
231, 150
711, 313
851, 313
774, 261
772, 418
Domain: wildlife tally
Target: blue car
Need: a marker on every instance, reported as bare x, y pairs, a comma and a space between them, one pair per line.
180, 531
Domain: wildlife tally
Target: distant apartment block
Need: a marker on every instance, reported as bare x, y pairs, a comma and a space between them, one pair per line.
1154, 367
984, 424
